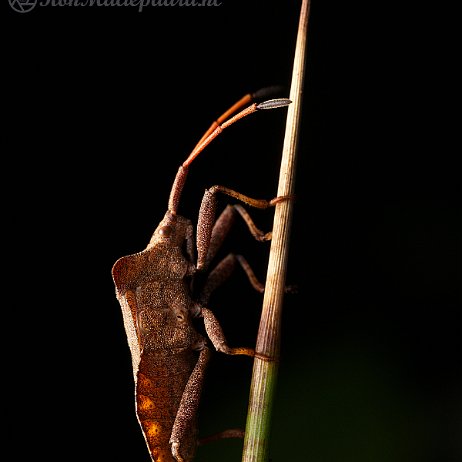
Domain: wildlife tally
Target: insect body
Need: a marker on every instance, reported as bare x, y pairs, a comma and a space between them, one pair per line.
154, 288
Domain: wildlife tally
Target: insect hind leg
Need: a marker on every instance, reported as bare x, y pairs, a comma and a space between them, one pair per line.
188, 406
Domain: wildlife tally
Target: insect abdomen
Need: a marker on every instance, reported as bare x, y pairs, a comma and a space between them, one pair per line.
158, 396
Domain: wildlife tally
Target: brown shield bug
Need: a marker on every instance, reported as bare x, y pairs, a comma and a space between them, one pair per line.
154, 288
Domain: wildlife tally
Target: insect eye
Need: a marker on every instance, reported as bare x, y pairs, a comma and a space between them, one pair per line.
165, 231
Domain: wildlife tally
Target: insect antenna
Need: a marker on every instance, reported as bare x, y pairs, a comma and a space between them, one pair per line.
217, 128
261, 94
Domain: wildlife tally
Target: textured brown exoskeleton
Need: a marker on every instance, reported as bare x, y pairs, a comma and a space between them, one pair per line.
154, 288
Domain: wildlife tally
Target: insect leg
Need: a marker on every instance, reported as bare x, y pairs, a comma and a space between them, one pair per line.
217, 337
223, 271
206, 220
230, 433
222, 226
189, 403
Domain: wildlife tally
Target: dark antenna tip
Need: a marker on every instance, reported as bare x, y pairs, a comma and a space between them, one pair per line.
274, 103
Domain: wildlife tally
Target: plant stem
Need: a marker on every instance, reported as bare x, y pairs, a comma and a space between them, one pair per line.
256, 441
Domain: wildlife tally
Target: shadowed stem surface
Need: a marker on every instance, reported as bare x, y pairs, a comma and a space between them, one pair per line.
256, 441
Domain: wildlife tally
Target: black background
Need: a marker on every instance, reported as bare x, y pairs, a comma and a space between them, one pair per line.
103, 104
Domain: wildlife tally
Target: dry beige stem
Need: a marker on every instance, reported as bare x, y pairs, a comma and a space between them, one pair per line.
268, 340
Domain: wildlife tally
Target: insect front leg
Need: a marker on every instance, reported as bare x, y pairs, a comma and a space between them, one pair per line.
205, 224
222, 226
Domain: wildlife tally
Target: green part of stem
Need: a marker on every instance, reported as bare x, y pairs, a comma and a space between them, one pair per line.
259, 417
